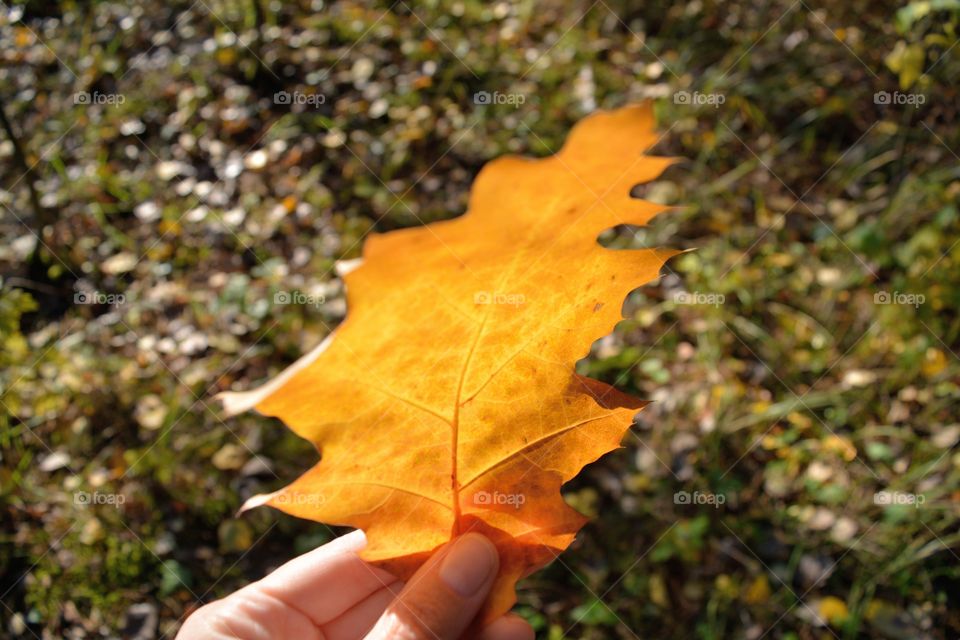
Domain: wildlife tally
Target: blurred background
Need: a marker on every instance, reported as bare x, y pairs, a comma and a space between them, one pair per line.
177, 179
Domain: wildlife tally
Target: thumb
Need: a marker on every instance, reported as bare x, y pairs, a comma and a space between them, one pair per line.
441, 599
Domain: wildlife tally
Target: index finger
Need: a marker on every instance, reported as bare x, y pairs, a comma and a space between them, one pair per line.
327, 581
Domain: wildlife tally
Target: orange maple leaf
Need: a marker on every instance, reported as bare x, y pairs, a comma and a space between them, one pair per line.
447, 401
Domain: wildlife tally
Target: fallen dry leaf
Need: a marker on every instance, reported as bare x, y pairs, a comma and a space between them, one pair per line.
447, 401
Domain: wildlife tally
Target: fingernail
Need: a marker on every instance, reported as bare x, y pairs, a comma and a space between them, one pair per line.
468, 564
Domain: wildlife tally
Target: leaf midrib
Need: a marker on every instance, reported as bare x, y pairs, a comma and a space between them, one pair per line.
455, 426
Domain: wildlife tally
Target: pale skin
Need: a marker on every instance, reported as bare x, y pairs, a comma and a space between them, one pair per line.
331, 594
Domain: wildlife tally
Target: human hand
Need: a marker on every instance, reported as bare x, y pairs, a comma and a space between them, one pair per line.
331, 594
